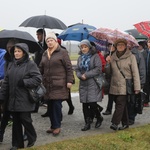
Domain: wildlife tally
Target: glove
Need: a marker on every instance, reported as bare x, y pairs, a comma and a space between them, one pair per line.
21, 83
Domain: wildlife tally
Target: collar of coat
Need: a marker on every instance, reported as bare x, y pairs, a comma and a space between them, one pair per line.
56, 50
126, 54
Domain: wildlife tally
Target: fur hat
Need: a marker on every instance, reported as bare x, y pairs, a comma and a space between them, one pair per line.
86, 42
120, 41
51, 35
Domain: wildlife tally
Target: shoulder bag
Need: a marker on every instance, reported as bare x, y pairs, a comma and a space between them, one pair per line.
101, 81
36, 93
129, 82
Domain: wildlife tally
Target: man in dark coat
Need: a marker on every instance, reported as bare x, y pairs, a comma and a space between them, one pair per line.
142, 72
41, 34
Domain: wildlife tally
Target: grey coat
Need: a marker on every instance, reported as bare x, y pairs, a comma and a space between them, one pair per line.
88, 89
27, 70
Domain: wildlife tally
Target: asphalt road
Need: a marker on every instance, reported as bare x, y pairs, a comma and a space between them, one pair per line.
71, 124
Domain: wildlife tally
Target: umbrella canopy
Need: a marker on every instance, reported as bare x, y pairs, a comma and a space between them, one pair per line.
111, 36
77, 33
144, 28
44, 21
21, 36
137, 35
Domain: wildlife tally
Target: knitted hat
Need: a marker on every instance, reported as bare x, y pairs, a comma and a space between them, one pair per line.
120, 41
86, 42
51, 35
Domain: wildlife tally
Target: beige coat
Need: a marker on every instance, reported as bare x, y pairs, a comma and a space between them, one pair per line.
128, 65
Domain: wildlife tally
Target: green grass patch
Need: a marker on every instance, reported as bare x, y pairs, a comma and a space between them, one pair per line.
75, 87
74, 57
129, 139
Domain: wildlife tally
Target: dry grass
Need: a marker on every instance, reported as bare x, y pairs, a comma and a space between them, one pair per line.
130, 139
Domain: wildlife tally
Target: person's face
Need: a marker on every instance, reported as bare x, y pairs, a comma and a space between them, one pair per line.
84, 48
140, 47
39, 36
148, 44
18, 53
51, 43
121, 46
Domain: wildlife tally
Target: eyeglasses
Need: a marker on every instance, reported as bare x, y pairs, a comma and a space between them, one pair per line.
120, 44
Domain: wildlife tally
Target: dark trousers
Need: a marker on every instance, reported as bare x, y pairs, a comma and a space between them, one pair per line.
4, 121
19, 119
89, 109
131, 107
121, 112
110, 102
69, 100
55, 113
146, 89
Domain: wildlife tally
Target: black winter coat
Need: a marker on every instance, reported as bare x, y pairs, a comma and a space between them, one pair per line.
27, 70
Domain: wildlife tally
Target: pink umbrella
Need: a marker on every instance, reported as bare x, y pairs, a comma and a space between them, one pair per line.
111, 36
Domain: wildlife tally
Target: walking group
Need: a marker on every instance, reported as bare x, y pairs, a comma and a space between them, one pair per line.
52, 66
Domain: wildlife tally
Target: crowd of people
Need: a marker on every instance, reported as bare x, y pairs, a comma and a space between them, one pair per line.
52, 66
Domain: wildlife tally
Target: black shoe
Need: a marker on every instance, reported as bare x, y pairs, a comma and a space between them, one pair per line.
131, 122
86, 127
123, 127
114, 127
14, 148
45, 115
71, 110
106, 113
98, 122
30, 144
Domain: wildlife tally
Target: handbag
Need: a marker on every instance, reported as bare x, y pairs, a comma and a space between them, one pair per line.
101, 81
129, 82
139, 102
37, 93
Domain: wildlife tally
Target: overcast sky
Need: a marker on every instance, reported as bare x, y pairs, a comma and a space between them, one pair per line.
121, 14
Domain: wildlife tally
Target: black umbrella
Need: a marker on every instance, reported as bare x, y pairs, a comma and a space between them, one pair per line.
136, 34
44, 21
21, 36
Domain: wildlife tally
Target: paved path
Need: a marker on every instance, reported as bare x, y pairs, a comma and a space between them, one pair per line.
71, 124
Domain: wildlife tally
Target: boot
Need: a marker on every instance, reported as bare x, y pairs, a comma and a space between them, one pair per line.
87, 125
99, 122
98, 116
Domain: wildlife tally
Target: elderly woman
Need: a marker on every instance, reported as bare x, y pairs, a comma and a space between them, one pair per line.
122, 65
57, 72
89, 66
22, 73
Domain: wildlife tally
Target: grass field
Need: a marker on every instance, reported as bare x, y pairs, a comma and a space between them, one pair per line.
130, 139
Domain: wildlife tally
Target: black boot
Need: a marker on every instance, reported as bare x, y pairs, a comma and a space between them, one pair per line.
98, 116
99, 122
87, 125
71, 110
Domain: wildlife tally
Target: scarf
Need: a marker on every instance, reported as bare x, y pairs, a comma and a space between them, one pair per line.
85, 63
119, 54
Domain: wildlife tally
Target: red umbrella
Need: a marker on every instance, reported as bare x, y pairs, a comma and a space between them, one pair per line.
143, 27
111, 36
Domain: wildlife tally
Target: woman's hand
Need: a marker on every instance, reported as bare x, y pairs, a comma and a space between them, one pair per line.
83, 77
69, 85
108, 58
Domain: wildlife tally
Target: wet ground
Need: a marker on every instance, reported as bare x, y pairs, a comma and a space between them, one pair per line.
71, 124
